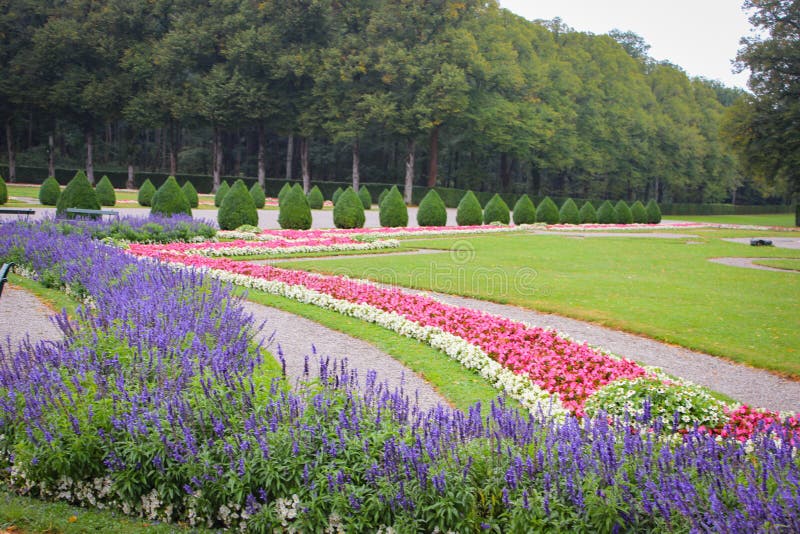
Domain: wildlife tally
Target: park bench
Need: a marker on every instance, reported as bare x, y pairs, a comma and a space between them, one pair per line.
78, 211
760, 242
17, 211
4, 274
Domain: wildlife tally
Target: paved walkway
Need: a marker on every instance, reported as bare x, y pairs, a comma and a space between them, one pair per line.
749, 263
21, 314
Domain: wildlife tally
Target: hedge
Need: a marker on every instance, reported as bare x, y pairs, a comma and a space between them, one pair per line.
237, 208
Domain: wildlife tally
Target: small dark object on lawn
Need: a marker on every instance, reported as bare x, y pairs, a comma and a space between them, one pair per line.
760, 243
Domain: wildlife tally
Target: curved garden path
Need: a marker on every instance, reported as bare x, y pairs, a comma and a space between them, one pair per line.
749, 263
21, 314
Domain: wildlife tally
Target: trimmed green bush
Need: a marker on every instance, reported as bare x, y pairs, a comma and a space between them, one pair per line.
348, 212
524, 211
638, 212
315, 198
170, 200
223, 190
336, 195
146, 193
432, 211
654, 213
382, 196
606, 213
295, 212
496, 210
259, 198
623, 213
547, 212
79, 193
191, 194
365, 196
3, 191
568, 214
588, 215
393, 210
283, 192
237, 208
49, 192
105, 192
469, 211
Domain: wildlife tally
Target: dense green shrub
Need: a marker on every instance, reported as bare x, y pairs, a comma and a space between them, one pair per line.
638, 213
3, 191
222, 190
295, 212
393, 210
259, 198
622, 213
315, 198
606, 213
568, 214
336, 195
469, 211
432, 211
283, 192
365, 196
105, 192
146, 193
654, 212
524, 211
49, 192
547, 212
382, 196
191, 194
237, 208
588, 215
348, 212
79, 193
169, 200
496, 210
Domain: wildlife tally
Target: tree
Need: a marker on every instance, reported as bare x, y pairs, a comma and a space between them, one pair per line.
393, 211
79, 193
348, 212
105, 192
169, 200
295, 212
237, 208
469, 211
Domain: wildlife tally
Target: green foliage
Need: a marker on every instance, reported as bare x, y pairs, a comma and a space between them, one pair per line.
654, 212
348, 212
237, 208
638, 212
283, 192
469, 211
365, 196
524, 211
222, 190
336, 195
315, 198
49, 192
191, 194
295, 211
432, 211
588, 215
569, 213
547, 212
393, 210
606, 213
105, 192
496, 210
622, 213
146, 193
169, 200
382, 196
259, 198
78, 194
3, 191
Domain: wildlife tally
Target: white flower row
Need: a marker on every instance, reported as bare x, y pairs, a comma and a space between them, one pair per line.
256, 250
406, 232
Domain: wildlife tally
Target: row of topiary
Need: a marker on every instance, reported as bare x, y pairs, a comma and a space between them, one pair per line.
50, 192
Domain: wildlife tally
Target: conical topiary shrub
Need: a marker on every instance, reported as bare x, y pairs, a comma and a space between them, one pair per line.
315, 198
587, 213
622, 213
348, 212
3, 191
547, 212
524, 211
78, 194
146, 193
169, 200
568, 214
469, 211
653, 212
259, 198
606, 214
432, 211
49, 192
496, 211
191, 194
295, 212
105, 192
336, 195
222, 190
365, 196
638, 213
237, 208
382, 196
284, 191
393, 210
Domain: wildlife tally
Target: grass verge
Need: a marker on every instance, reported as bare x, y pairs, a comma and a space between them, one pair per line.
776, 219
789, 265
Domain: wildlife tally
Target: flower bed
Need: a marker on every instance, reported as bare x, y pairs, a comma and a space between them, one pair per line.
369, 233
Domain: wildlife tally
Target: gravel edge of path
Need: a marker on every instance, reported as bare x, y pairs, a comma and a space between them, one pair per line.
23, 313
748, 263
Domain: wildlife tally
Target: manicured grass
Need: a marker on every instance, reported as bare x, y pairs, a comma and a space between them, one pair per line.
792, 265
663, 288
780, 219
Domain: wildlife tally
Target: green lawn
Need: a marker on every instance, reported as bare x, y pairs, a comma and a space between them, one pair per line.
780, 219
792, 265
663, 288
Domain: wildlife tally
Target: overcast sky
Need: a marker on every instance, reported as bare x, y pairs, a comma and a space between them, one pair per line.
702, 36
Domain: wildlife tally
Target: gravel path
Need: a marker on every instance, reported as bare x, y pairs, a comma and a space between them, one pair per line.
21, 313
780, 242
748, 263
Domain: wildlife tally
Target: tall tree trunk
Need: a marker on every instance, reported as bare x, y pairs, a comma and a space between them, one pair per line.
409, 183
131, 182
289, 157
356, 164
304, 164
216, 172
262, 159
89, 155
433, 158
12, 155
